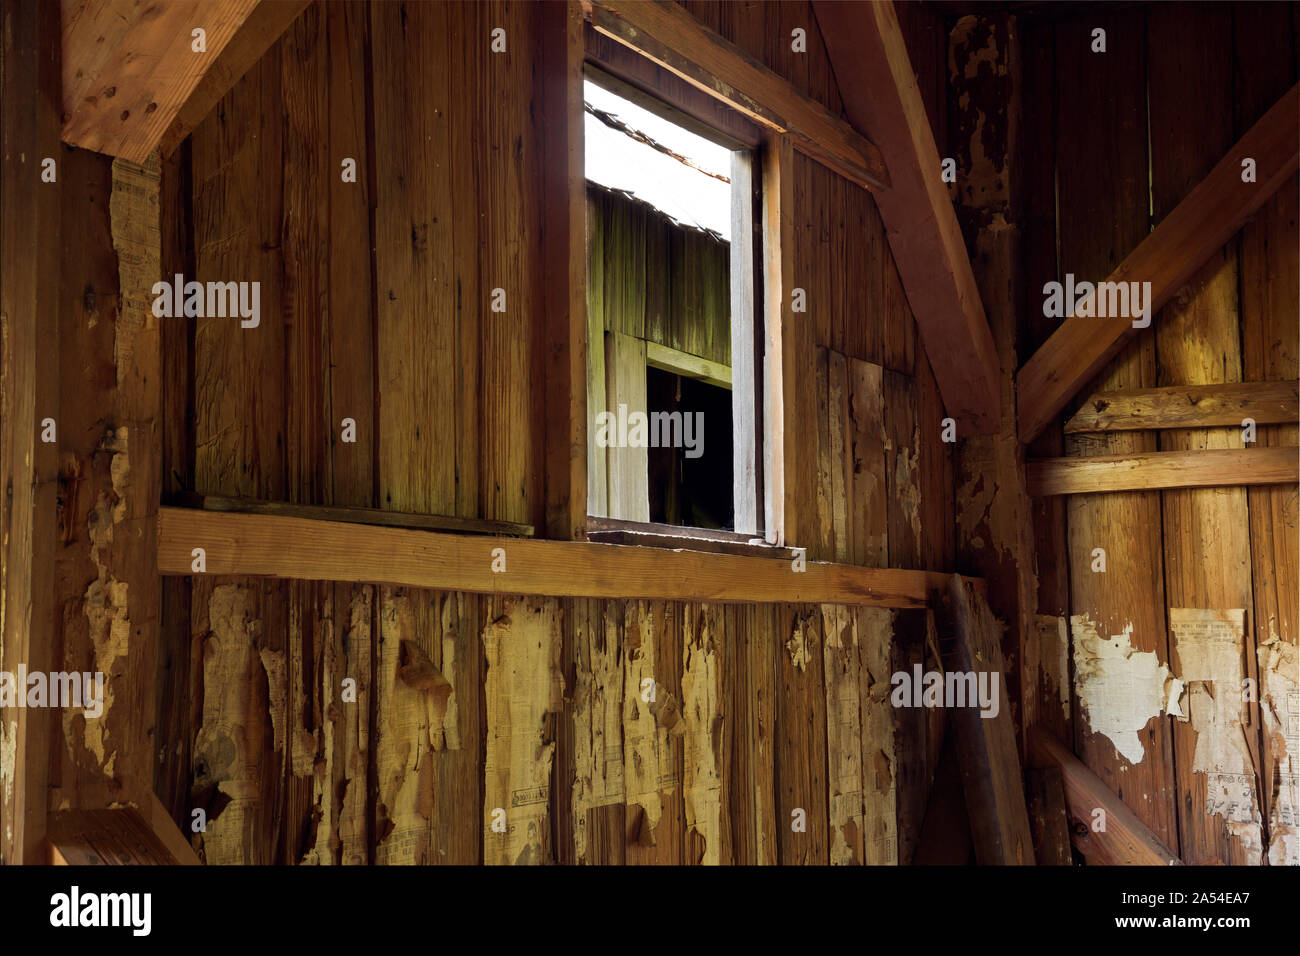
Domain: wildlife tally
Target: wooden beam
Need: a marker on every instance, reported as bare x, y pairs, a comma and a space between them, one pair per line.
1187, 406
684, 363
301, 549
376, 516
881, 98
29, 395
129, 67
117, 837
986, 741
263, 28
1163, 469
168, 834
669, 36
1167, 258
563, 254
1125, 841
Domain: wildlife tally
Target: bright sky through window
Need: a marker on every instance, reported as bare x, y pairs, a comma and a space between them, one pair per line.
617, 160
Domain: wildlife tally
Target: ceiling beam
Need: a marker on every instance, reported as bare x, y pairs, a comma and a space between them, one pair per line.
130, 66
1167, 258
309, 550
882, 99
673, 39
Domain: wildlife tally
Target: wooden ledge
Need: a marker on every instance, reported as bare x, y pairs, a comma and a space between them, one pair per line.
306, 549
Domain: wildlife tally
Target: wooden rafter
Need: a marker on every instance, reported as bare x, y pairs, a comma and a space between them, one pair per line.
130, 67
1167, 258
1163, 469
672, 38
882, 99
302, 549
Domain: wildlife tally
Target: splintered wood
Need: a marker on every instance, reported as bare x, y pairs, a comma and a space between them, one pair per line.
524, 687
859, 735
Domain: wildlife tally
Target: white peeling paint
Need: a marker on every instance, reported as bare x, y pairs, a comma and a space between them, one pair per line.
1120, 688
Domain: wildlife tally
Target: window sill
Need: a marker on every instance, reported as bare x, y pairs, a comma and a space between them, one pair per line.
649, 534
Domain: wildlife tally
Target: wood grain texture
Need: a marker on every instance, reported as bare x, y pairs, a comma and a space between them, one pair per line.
264, 26
119, 837
298, 548
30, 223
1163, 469
986, 740
128, 68
1101, 171
882, 98
1269, 270
1185, 238
1198, 342
676, 41
1187, 406
1126, 841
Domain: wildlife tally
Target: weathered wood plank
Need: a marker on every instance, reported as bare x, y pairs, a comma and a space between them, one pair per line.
1198, 343
1187, 406
882, 98
418, 421
30, 222
128, 68
1186, 237
1163, 469
298, 548
986, 740
563, 261
373, 516
264, 26
1109, 214
1126, 840
676, 41
1269, 265
102, 837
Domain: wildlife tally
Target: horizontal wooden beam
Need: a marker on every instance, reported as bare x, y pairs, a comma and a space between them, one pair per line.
684, 363
264, 26
302, 549
881, 98
129, 67
673, 39
1125, 840
375, 516
1163, 469
1198, 226
1187, 406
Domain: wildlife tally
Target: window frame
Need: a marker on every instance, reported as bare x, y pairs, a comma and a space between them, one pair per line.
755, 346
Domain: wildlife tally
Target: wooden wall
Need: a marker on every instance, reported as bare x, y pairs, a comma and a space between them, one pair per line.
376, 306
1195, 78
